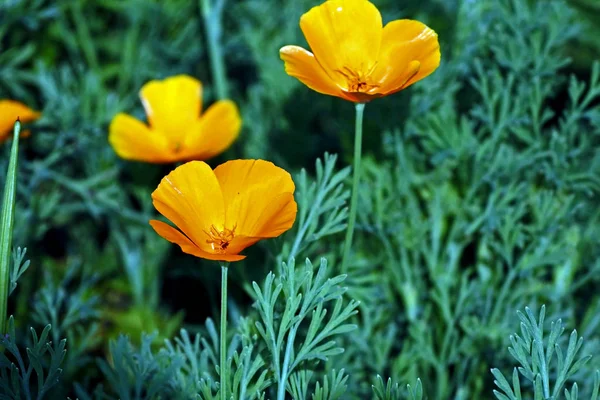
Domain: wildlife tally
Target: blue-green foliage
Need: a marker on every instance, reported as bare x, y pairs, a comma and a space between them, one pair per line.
42, 359
478, 197
536, 354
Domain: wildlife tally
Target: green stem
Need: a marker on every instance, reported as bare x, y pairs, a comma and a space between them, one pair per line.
360, 108
223, 341
212, 24
289, 348
7, 219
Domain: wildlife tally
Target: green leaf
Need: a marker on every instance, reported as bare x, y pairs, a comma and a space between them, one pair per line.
45, 360
537, 365
19, 266
7, 219
502, 383
596, 385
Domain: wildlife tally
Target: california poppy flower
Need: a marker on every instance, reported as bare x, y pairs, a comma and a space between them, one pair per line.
10, 110
219, 213
176, 130
355, 57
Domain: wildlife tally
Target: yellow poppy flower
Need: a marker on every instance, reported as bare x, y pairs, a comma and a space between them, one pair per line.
176, 130
219, 213
355, 57
10, 110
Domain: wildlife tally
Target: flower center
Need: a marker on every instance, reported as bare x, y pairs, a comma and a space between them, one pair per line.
358, 86
219, 240
358, 81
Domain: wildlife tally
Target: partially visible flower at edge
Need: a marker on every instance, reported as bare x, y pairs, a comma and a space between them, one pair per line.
177, 129
219, 213
10, 110
355, 57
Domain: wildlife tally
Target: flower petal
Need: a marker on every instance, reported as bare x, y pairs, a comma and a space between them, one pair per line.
214, 132
254, 191
10, 110
302, 64
277, 218
191, 198
172, 105
343, 35
133, 140
409, 52
224, 257
240, 242
174, 236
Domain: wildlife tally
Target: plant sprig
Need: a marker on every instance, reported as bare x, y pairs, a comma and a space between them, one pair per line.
43, 359
307, 296
542, 360
321, 210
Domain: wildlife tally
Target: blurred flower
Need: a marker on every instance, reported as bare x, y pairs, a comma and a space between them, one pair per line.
355, 57
176, 130
219, 213
10, 110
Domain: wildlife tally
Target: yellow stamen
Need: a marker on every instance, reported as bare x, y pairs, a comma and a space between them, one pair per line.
219, 239
358, 81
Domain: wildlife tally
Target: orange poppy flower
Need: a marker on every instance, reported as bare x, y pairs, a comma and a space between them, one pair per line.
10, 110
355, 57
176, 130
219, 213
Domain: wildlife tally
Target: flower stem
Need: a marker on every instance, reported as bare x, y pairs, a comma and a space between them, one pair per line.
223, 341
360, 108
212, 14
7, 219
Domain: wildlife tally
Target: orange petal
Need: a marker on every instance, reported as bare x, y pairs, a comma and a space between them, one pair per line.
254, 191
277, 218
225, 257
10, 110
301, 64
344, 35
175, 236
240, 242
187, 246
214, 132
133, 140
409, 52
191, 198
172, 105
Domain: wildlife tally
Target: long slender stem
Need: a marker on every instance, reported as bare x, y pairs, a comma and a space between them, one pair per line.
360, 108
223, 339
212, 24
7, 219
286, 363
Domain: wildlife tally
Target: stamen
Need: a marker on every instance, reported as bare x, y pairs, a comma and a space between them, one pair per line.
358, 82
219, 240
